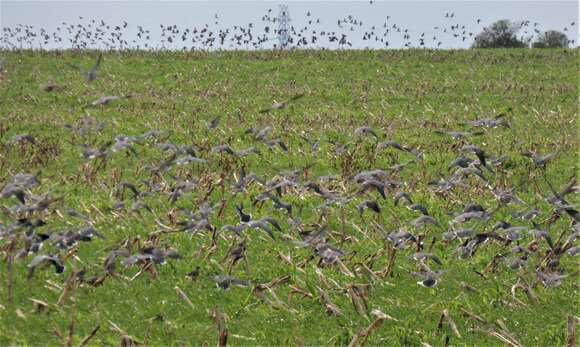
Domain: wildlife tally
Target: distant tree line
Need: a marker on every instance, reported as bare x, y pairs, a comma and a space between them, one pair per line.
504, 34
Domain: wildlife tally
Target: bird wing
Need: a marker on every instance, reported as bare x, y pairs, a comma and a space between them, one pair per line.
97, 63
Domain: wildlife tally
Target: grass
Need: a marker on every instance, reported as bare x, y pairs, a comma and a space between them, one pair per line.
402, 95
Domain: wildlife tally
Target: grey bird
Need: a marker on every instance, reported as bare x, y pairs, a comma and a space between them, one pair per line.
89, 75
76, 214
498, 121
456, 135
95, 153
312, 238
151, 254
262, 134
282, 104
428, 278
526, 214
420, 256
241, 153
328, 253
506, 196
467, 216
515, 233
51, 87
473, 207
214, 123
122, 142
573, 251
17, 186
22, 138
385, 144
193, 275
549, 279
368, 204
458, 233
277, 202
464, 172
223, 149
516, 263
539, 233
424, 219
225, 281
124, 186
478, 152
278, 142
273, 222
377, 174
461, 161
444, 184
365, 131
236, 228
15, 191
373, 184
244, 217
464, 233
105, 100
402, 196
449, 235
401, 238
517, 249
260, 224
558, 199
45, 259
419, 207
539, 159
188, 159
240, 185
245, 152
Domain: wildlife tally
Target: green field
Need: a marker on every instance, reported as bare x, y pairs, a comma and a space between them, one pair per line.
402, 95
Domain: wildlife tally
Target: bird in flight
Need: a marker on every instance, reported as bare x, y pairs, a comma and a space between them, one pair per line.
282, 104
89, 75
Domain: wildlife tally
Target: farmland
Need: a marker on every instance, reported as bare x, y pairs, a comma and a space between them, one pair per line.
110, 189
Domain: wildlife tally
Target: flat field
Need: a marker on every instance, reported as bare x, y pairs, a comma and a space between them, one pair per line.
145, 173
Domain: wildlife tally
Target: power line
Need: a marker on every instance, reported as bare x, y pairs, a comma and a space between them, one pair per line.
283, 26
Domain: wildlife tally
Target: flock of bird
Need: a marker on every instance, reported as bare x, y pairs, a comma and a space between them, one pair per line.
525, 241
472, 168
314, 34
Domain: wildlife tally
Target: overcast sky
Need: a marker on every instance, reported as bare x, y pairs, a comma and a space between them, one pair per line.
416, 16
